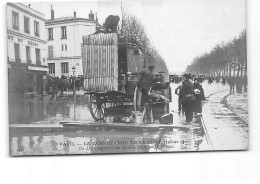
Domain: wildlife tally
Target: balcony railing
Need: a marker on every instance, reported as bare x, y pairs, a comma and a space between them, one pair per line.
18, 60
38, 62
16, 27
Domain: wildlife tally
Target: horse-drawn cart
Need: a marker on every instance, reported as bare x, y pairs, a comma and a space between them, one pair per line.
112, 65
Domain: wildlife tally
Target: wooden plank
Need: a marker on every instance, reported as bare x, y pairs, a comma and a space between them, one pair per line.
78, 124
35, 126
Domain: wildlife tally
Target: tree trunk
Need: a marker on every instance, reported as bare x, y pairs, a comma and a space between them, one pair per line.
245, 73
239, 69
230, 68
234, 71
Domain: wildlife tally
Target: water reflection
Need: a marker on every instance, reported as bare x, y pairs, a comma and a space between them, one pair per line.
108, 141
44, 110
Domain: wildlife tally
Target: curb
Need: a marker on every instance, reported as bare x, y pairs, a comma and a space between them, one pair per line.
233, 110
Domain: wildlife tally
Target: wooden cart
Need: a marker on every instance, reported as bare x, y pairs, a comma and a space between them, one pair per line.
111, 65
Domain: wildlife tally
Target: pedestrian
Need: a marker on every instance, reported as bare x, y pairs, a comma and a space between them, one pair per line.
224, 81
199, 95
187, 97
231, 83
245, 83
177, 92
239, 84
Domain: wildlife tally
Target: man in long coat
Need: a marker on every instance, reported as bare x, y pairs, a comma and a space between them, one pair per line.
187, 97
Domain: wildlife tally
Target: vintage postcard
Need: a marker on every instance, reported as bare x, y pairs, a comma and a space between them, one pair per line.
121, 76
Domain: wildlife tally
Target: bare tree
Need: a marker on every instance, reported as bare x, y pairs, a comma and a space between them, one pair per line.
133, 30
226, 59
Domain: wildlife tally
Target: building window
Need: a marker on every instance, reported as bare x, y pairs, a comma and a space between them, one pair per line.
50, 30
17, 52
64, 68
28, 54
63, 47
38, 56
36, 29
63, 33
51, 68
26, 25
50, 51
15, 18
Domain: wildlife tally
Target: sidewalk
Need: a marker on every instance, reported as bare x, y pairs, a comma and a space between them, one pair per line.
226, 130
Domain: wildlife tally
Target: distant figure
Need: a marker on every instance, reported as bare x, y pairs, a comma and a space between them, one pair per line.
239, 84
231, 83
210, 80
187, 97
111, 23
224, 81
199, 94
245, 83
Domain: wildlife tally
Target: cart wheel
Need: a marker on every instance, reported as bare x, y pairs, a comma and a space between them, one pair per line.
97, 106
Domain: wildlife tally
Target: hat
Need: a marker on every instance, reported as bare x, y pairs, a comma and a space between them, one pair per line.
151, 67
186, 75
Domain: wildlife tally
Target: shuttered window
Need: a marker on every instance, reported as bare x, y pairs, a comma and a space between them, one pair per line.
51, 68
15, 19
64, 68
26, 25
50, 51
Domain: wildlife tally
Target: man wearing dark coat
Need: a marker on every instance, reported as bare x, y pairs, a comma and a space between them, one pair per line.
143, 87
199, 94
187, 97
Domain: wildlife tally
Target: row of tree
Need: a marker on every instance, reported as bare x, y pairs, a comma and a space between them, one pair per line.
225, 60
131, 27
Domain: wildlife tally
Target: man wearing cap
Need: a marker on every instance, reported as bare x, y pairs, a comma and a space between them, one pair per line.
187, 97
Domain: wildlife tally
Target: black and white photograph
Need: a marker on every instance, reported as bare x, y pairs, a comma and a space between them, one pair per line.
116, 77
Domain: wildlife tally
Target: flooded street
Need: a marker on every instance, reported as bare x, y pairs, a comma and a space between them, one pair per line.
42, 111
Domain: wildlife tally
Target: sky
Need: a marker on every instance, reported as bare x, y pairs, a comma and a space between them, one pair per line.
180, 30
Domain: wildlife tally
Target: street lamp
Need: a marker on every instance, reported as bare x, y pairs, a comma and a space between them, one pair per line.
73, 71
74, 91
144, 65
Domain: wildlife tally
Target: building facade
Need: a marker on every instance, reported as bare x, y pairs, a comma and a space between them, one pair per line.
26, 40
64, 43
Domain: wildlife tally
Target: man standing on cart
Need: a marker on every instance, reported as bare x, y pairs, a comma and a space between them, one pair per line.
143, 87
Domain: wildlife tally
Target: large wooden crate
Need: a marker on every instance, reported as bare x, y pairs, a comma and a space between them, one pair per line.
100, 62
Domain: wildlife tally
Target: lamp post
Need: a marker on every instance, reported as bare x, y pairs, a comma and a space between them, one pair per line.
74, 91
144, 64
73, 71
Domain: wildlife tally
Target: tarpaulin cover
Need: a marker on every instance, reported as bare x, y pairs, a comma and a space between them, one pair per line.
100, 62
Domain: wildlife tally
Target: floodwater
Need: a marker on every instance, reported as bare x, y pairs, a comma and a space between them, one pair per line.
46, 111
107, 141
